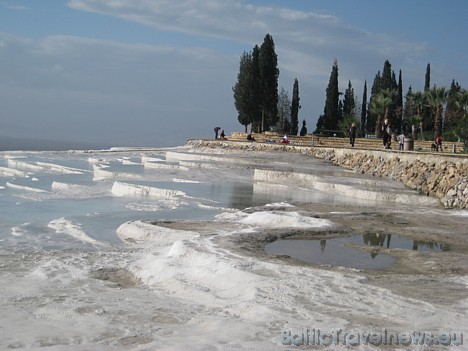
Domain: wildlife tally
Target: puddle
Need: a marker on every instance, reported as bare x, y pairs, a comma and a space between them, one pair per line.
335, 252
390, 241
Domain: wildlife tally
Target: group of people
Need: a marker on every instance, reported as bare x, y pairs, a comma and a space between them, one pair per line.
221, 136
386, 137
284, 139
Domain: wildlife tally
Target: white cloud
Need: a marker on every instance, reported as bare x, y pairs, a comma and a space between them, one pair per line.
168, 90
296, 33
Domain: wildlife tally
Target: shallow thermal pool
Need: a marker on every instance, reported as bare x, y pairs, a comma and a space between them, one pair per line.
337, 251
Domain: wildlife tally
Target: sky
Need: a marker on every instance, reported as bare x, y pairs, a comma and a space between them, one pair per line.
159, 72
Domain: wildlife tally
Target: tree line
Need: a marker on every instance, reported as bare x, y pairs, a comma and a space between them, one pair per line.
435, 111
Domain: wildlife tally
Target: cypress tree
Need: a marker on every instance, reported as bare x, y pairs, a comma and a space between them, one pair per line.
256, 90
349, 102
330, 112
387, 79
303, 129
340, 115
399, 103
386, 82
320, 124
284, 112
364, 110
426, 111
394, 82
242, 90
247, 91
375, 91
376, 86
427, 81
295, 106
408, 110
269, 74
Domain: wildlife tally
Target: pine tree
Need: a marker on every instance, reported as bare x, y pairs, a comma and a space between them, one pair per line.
295, 106
364, 129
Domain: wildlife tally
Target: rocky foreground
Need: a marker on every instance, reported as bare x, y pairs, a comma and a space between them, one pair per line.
442, 176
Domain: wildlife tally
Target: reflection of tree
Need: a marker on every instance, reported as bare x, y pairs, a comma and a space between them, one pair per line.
433, 246
376, 239
389, 237
323, 244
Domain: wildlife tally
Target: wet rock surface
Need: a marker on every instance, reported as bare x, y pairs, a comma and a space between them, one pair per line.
430, 276
444, 177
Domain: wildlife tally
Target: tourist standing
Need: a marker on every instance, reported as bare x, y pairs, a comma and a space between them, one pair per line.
216, 130
438, 143
386, 134
401, 141
352, 134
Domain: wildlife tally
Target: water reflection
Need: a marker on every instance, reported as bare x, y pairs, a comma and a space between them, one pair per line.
337, 252
385, 240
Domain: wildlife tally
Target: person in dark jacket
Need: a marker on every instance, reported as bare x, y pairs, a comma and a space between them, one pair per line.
216, 130
352, 134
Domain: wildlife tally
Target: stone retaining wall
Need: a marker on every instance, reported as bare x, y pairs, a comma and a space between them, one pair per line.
443, 177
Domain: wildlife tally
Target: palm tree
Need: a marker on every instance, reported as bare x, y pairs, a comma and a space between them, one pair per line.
380, 105
435, 99
461, 101
461, 130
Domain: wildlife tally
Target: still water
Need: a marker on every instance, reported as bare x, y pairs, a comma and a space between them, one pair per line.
337, 252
